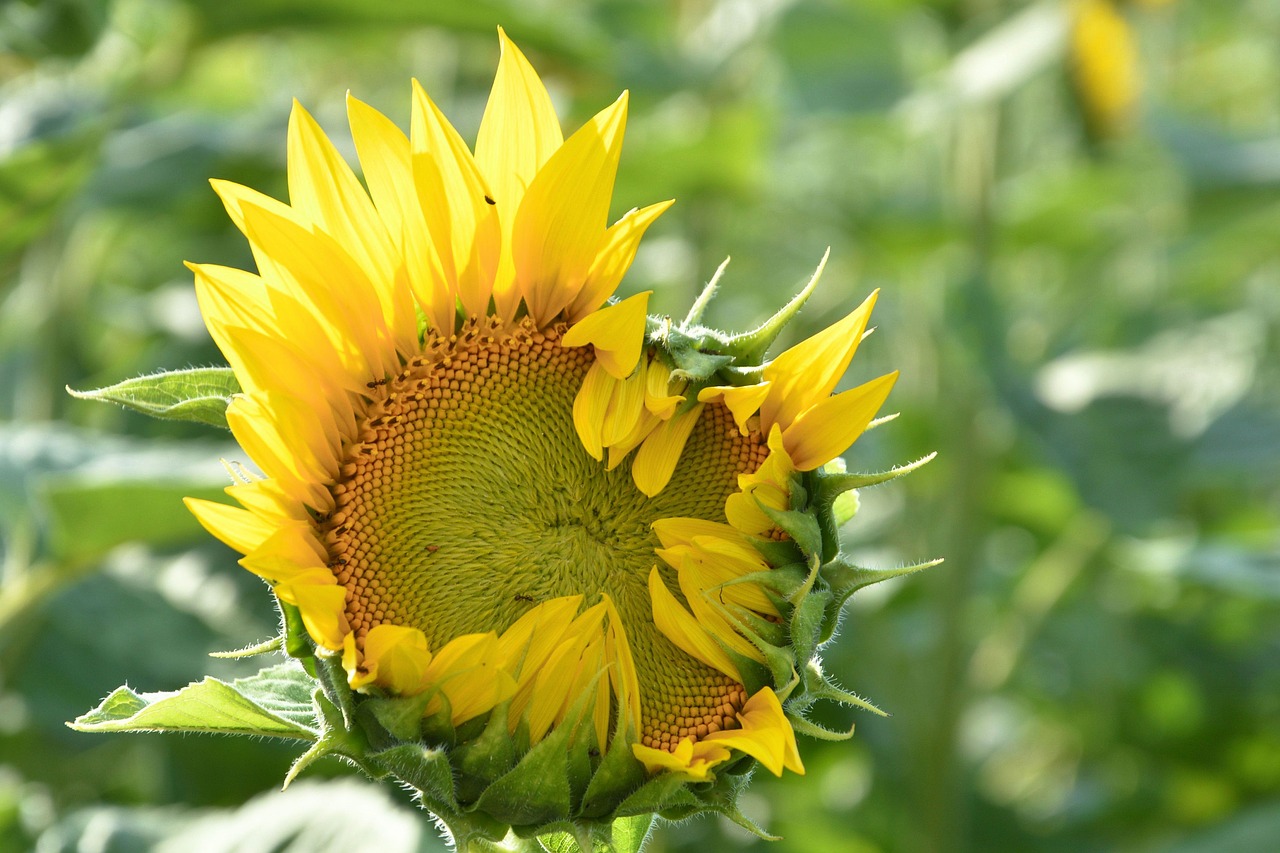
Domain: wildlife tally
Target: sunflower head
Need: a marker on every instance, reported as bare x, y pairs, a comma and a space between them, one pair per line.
554, 562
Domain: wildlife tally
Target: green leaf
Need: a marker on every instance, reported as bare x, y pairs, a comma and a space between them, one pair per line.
630, 833
199, 394
276, 702
704, 298
661, 793
310, 817
807, 624
89, 516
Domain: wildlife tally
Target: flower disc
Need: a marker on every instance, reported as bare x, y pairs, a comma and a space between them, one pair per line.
468, 501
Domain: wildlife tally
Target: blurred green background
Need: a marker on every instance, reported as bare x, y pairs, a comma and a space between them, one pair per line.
1083, 299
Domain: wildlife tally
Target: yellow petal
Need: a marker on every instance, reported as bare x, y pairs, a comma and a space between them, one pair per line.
387, 159
685, 632
288, 553
395, 657
562, 218
264, 498
766, 734
770, 485
616, 332
590, 406
809, 371
319, 274
657, 385
656, 460
743, 401
236, 528
234, 197
618, 451
518, 134
271, 365
278, 435
602, 705
232, 297
823, 432
323, 188
387, 165
714, 569
528, 644
1105, 67
613, 258
469, 672
696, 584
457, 204
684, 531
688, 759
525, 645
554, 688
626, 683
322, 607
626, 408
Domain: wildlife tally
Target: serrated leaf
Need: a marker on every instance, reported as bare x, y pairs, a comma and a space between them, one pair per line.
630, 833
199, 394
817, 687
397, 716
276, 703
813, 730
750, 347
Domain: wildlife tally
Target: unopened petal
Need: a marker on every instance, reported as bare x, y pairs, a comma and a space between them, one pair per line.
686, 632
828, 429
807, 372
656, 460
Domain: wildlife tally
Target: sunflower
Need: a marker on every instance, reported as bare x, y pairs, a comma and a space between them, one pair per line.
499, 495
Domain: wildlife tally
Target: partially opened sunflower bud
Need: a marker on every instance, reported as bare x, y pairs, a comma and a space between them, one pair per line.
550, 561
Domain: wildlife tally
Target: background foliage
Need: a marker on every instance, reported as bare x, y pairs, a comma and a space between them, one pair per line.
1085, 307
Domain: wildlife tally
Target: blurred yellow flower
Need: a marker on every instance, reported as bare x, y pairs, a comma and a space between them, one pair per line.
1104, 67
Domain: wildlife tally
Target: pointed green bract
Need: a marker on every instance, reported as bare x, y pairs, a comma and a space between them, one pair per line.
198, 394
275, 644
